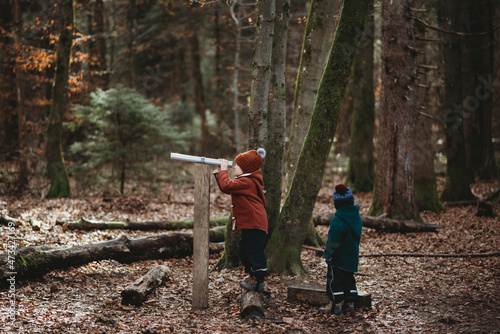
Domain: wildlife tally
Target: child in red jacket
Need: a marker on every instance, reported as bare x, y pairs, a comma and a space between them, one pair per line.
249, 213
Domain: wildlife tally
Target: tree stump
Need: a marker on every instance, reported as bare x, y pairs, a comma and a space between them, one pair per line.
316, 295
251, 304
137, 292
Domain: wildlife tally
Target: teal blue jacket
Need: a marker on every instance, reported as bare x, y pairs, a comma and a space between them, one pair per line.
342, 246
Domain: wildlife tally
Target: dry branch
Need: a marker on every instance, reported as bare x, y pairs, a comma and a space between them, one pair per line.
31, 262
381, 224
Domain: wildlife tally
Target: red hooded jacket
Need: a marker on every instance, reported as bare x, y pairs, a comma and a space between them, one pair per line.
247, 197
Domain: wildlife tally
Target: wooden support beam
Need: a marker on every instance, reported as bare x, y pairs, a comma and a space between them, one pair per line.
316, 295
201, 235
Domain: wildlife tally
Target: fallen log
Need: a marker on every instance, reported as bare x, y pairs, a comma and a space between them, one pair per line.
252, 304
137, 292
32, 262
316, 295
381, 224
168, 225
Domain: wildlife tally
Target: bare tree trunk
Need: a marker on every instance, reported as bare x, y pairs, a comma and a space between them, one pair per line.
361, 167
276, 119
198, 92
394, 192
22, 176
288, 236
317, 42
131, 47
237, 19
425, 177
458, 176
56, 168
478, 88
261, 71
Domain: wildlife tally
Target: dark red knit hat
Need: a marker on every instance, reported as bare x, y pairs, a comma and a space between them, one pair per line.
250, 161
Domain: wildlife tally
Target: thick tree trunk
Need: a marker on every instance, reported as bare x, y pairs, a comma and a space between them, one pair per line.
320, 28
478, 88
230, 257
394, 192
287, 238
98, 76
458, 176
382, 224
198, 93
425, 178
361, 167
261, 71
137, 292
22, 176
56, 168
276, 119
31, 262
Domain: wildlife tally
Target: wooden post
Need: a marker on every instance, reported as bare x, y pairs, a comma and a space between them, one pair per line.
201, 235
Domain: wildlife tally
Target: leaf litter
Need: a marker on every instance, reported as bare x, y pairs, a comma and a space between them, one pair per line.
409, 294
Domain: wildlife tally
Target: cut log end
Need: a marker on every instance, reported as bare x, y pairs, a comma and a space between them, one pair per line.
316, 295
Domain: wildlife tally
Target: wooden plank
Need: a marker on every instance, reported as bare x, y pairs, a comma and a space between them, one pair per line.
201, 235
316, 295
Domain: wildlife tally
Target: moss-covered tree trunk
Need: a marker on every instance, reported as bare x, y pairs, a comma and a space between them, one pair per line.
285, 244
425, 177
458, 176
56, 168
261, 71
276, 120
317, 42
394, 192
361, 166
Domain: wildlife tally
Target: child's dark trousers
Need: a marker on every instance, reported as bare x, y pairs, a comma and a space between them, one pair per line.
251, 253
340, 285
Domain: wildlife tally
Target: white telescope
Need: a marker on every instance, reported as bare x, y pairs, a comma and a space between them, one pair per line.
196, 159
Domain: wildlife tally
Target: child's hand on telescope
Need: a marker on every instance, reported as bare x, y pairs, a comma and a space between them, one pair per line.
223, 165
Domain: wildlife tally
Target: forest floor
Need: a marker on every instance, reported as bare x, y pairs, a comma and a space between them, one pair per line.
409, 294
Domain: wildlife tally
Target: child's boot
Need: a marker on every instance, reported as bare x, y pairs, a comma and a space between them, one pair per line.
338, 307
327, 308
350, 306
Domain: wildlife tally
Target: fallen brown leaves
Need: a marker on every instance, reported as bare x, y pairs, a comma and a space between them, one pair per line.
409, 294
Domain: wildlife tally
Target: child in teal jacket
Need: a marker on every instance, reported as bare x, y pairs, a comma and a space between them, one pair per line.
342, 251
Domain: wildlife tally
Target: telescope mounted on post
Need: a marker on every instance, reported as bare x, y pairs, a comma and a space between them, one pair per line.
196, 159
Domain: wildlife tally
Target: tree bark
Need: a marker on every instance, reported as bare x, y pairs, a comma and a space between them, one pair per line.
137, 292
198, 93
361, 166
276, 119
261, 71
394, 192
56, 168
31, 262
478, 88
458, 176
22, 176
425, 178
320, 28
251, 304
288, 236
382, 224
